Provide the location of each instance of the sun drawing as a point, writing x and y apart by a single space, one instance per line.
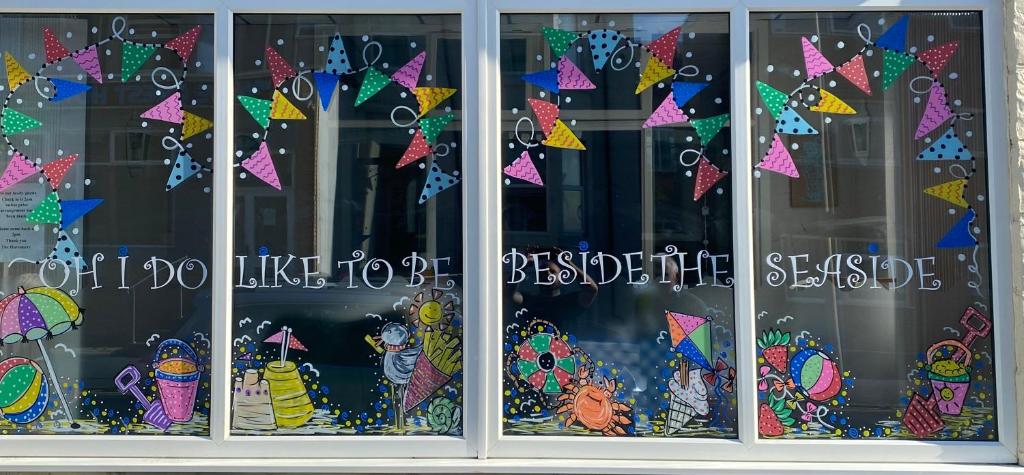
431 313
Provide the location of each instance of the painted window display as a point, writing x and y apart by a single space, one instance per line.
348 225
617 233
105 205
874 301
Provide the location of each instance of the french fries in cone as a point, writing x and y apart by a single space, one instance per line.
440 359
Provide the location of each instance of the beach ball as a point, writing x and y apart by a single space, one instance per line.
23 390
815 374
546 362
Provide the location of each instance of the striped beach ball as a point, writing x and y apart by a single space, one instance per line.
23 390
815 374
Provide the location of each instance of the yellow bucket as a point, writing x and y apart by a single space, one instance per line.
292 407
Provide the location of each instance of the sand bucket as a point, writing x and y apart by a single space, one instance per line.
291 403
951 377
177 378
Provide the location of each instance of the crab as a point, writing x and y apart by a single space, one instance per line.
590 402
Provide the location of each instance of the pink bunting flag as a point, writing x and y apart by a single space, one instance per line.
55 51
262 167
280 70
546 112
853 70
17 170
707 175
664 48
570 76
89 60
813 59
666 113
168 110
779 160
523 169
936 112
936 58
55 170
184 43
409 75
417 149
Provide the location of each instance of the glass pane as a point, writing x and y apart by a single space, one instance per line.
871 226
618 307
105 205
347 304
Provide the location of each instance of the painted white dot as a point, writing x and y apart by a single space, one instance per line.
254 90
689 173
152 34
171 130
209 136
508 182
385 65
60 67
689 138
810 97
719 190
761 139
88 181
280 42
321 49
840 45
366 38
430 77
238 153
957 103
831 84
579 49
977 230
95 30
692 35
951 211
158 57
937 170
917 100
793 103
795 146
206 189
541 94
107 52
412 44
540 57
814 38
708 77
167 161
423 166
158 92
931 38
927 140
961 257
757 173
725 151
881 21
637 64
540 155
953 75
876 74
258 62
284 90
981 197
145 124
770 68
280 151
758 110
131 31
39 104
447 108
693 111
661 85
27 142
913 49
718 100
618 60
611 23
344 87
552 64
969 133
204 87
195 102
869 53
60 152
828 120
568 99
572 122
19 100
163 76
284 125
35 228
796 72
689 54
242 175
511 145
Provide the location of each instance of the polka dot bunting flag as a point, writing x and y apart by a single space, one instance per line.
55 51
47 211
947 147
16 75
814 61
558 40
831 104
417 149
373 82
133 56
666 113
168 110
602 45
854 71
18 168
935 113
337 58
664 48
67 252
409 74
708 127
282 108
433 126
778 159
893 65
791 123
654 72
184 168
55 170
437 181
562 137
935 59
258 108
184 43
546 113
773 98
194 125
89 61
431 97
951 191
262 166
570 77
524 169
707 175
280 70
15 122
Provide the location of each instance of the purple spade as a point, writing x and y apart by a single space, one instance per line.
127 381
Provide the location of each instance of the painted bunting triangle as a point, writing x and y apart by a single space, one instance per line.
325 85
666 113
935 59
814 61
89 60
546 113
55 170
562 137
524 169
437 181
602 45
895 38
66 251
168 110
409 74
893 65
654 72
16 75
47 211
790 122
831 104
773 98
64 89
431 97
854 71
72 210
570 77
778 159
707 175
960 234
194 125
15 122
684 91
547 79
282 108
417 149
184 168
280 70
936 112
55 50
184 43
947 147
373 82
133 56
558 40
337 58
18 168
708 127
262 166
664 48
951 191
433 126
258 108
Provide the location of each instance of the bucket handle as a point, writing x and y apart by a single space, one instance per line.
963 349
165 345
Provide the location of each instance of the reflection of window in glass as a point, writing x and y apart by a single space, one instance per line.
871 227
105 205
349 218
617 226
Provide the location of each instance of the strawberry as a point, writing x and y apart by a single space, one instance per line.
773 348
768 423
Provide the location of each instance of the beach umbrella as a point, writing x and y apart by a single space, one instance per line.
691 336
37 313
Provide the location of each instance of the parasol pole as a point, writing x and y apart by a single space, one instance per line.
56 383
285 337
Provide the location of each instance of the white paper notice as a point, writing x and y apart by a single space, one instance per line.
18 238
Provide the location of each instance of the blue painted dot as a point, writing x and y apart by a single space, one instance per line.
264 251
873 248
122 251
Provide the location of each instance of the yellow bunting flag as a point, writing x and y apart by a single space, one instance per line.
16 74
951 191
562 137
430 97
654 72
194 125
283 109
831 104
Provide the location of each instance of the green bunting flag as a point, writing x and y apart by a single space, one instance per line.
15 122
558 40
893 65
373 82
773 98
46 212
132 57
432 126
708 127
258 108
